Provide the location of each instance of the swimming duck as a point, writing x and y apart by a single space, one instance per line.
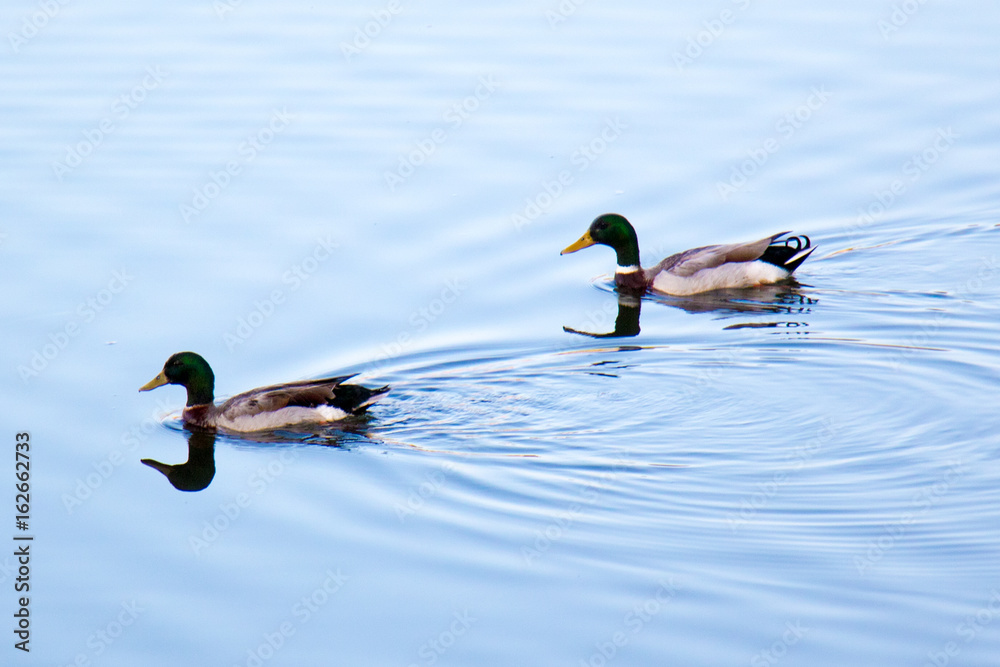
712 267
306 402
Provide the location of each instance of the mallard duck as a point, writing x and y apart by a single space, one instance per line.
712 267
306 402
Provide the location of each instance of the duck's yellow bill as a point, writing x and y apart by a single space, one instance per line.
158 381
585 242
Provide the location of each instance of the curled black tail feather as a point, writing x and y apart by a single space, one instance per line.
355 399
788 253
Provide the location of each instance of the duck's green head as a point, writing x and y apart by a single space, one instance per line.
612 230
192 372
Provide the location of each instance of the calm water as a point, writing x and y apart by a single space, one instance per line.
804 475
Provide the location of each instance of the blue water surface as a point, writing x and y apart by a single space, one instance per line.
803 475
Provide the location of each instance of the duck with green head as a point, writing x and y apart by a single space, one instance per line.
732 266
307 402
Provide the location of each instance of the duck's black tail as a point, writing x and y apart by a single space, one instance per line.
355 399
788 253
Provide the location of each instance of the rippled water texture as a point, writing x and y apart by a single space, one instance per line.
797 475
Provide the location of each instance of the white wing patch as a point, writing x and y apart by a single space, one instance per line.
289 416
732 275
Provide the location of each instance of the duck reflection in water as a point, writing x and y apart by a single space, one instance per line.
778 299
626 323
198 471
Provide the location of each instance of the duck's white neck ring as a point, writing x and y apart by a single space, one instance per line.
627 269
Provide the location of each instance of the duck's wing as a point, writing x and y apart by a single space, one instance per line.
689 262
306 394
